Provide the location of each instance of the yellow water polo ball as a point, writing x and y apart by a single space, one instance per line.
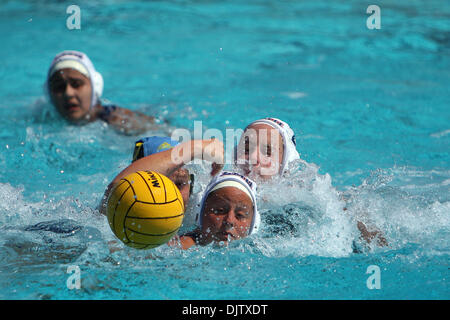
145 209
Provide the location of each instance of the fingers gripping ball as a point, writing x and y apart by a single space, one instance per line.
145 209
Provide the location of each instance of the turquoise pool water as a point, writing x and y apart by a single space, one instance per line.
370 109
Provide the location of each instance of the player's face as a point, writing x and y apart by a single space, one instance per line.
227 215
182 180
71 92
260 151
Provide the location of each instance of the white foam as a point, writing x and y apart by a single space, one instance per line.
325 228
295 94
440 134
404 215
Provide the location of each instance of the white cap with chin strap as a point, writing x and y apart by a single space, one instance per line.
232 179
287 134
78 61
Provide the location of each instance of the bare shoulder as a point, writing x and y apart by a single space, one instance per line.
184 242
125 120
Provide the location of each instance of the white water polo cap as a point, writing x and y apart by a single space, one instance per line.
287 134
236 180
78 61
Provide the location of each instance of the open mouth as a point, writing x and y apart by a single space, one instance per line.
225 236
72 106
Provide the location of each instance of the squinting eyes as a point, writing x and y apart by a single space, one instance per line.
265 150
242 215
76 84
239 213
217 211
60 85
180 184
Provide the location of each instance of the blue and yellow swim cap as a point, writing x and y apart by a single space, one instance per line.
151 145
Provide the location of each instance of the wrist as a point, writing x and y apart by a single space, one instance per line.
186 152
197 149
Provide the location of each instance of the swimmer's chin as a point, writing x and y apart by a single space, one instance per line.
76 120
256 176
258 173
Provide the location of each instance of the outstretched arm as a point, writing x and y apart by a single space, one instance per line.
368 236
168 161
128 122
372 235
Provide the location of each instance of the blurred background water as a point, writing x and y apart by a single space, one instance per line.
370 109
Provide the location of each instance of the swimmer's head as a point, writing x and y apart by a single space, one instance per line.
74 86
180 177
266 148
184 182
228 209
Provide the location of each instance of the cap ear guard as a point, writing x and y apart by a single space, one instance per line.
151 145
97 85
138 150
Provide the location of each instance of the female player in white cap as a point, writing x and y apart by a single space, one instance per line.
266 148
228 212
74 87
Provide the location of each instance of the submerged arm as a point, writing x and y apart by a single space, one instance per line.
371 235
128 122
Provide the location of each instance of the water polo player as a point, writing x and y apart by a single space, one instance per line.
228 212
180 176
266 148
74 87
157 154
